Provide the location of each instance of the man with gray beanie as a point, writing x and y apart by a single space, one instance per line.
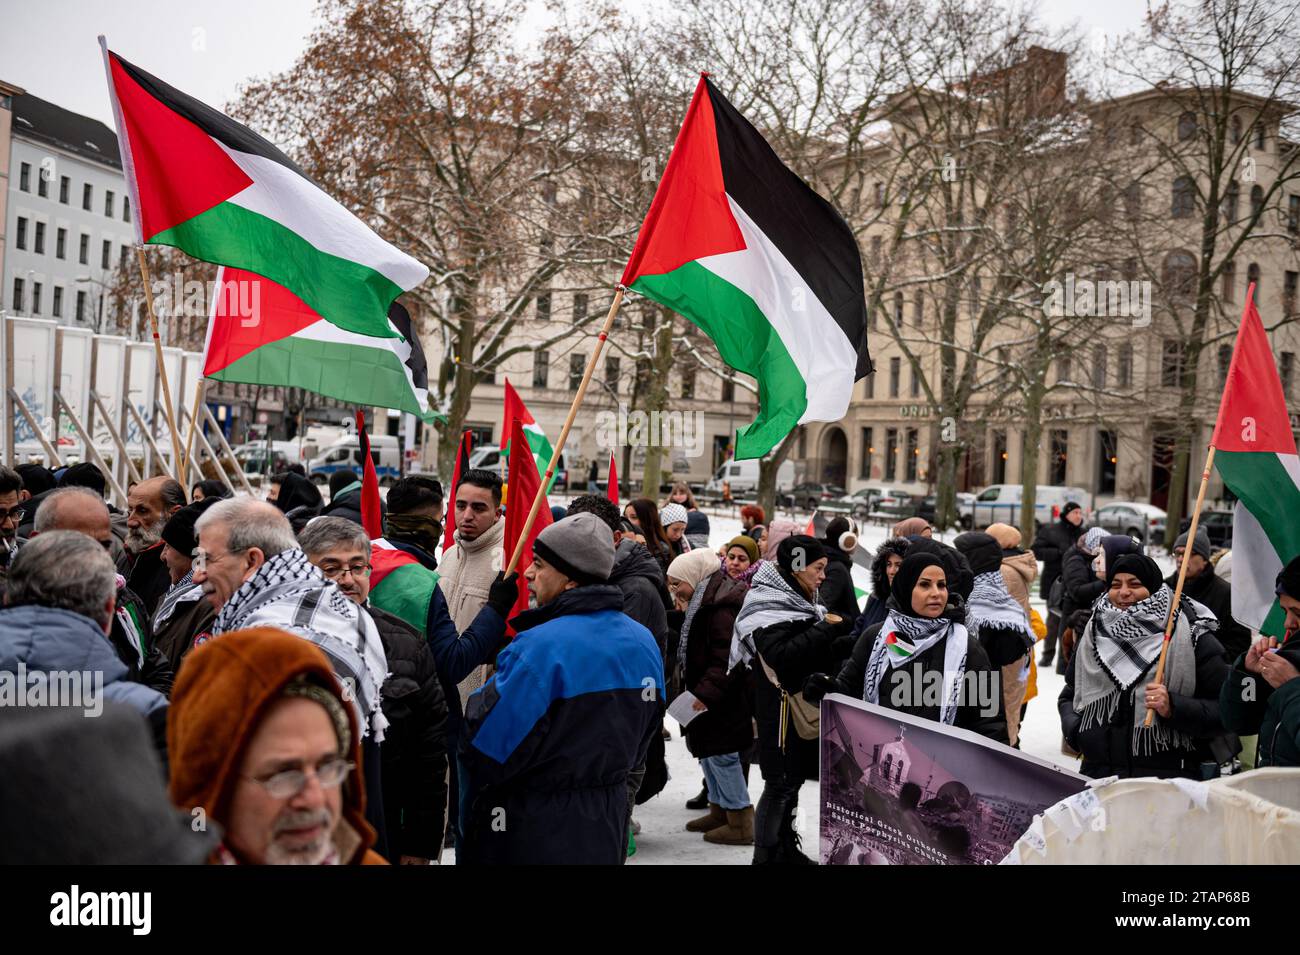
550 739
1204 585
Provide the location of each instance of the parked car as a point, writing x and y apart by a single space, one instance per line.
858 504
1217 524
1146 522
928 508
1001 503
811 495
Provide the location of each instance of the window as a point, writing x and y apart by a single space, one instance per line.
913 453
36 298
916 382
1063 369
1261 136
579 308
1288 292
918 308
1186 126
898 309
880 194
1293 214
58 301
1234 129
1184 201
126 251
1135 134
1252 278
81 306
869 386
895 370
61 244
1108 460
25 177
108 203
42 184
1229 280
891 453
87 195
106 254
1256 201
64 184
20 240
1124 373
577 365
1179 276
1130 269
541 365
126 208
611 372
1099 367
688 382
1225 362
18 295
999 457
549 191
544 307
976 293
1171 363
83 252
875 250
1285 370
868 449
40 238
1060 448
728 389
1231 198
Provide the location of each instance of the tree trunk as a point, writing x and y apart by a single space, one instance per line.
656 395
767 471
1029 460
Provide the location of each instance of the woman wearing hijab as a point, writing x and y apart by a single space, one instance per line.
1109 684
785 634
922 634
889 557
673 518
723 730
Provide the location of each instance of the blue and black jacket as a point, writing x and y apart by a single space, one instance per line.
548 741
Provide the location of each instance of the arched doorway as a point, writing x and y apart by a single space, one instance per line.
834 456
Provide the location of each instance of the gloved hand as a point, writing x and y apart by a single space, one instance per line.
817 686
503 592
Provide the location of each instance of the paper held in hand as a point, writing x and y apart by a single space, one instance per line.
683 708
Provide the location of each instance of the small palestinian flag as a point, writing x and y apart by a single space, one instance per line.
461 466
897 647
400 584
1255 452
515 409
741 246
218 191
260 333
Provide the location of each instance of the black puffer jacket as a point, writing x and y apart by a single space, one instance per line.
1216 593
726 726
413 755
348 505
1108 749
1051 544
837 589
640 578
299 499
876 607
1080 585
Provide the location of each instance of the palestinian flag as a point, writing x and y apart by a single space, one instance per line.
260 333
461 466
400 584
742 247
515 409
215 189
611 484
898 648
371 515
1255 453
524 484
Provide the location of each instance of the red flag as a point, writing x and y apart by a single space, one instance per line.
811 529
524 483
371 519
1253 391
462 464
515 410
611 489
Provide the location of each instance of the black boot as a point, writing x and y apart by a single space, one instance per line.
790 850
701 801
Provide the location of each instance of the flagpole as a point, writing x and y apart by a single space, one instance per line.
564 432
200 387
1182 575
162 367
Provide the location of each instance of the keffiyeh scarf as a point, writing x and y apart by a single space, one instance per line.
991 606
184 591
903 638
770 601
289 593
1116 656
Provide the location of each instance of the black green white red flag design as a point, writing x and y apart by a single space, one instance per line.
745 249
218 191
1255 452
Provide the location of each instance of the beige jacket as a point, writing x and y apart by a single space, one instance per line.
465 572
1019 572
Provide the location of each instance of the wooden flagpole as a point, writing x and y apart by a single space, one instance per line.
200 388
1182 575
162 368
564 432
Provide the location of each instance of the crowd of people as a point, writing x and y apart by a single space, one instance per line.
316 696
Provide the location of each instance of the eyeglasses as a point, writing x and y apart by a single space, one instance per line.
202 558
358 571
288 783
14 514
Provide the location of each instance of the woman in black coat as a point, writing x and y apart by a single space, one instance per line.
786 636
837 591
1109 684
892 663
889 557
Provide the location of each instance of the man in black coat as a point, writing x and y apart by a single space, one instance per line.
1051 544
345 497
1203 584
149 505
413 754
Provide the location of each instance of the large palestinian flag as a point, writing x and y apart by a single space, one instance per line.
215 189
1255 453
745 249
260 333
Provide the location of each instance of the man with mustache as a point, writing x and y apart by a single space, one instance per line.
293 795
149 504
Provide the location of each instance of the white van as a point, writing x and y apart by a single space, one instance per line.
1001 503
346 453
742 476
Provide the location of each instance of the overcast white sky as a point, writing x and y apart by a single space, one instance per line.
208 49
